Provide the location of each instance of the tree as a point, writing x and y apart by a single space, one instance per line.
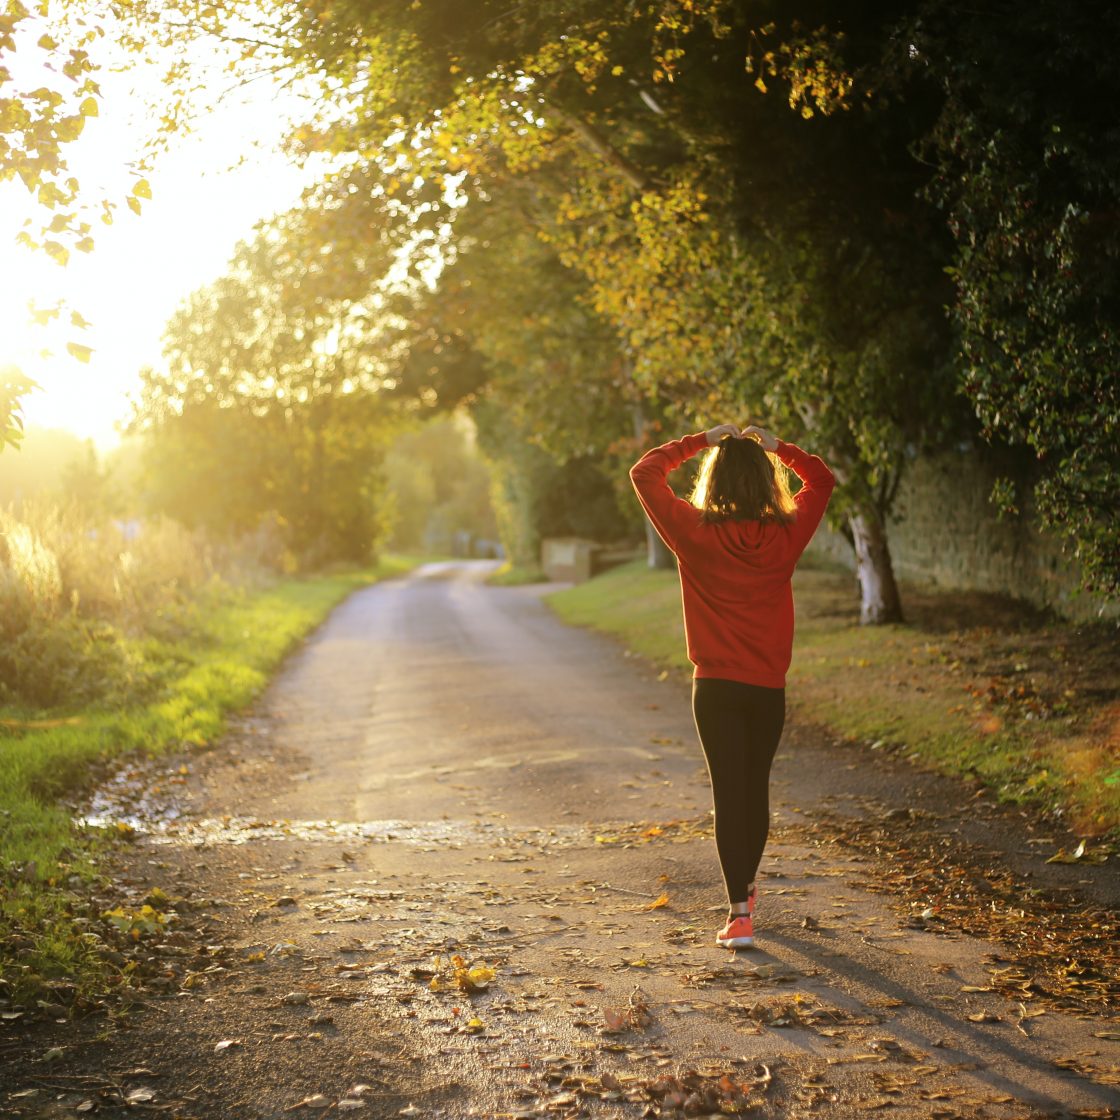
487 317
737 188
270 405
1027 171
747 257
554 400
438 486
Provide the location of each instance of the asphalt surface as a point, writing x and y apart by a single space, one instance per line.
444 768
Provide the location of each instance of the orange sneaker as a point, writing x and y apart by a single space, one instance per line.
739 931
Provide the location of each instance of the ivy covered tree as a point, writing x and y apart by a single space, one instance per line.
1028 174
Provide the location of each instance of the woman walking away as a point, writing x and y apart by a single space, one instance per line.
737 543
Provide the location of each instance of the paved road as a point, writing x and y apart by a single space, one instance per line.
444 768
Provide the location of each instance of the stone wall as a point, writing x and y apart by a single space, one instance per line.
945 532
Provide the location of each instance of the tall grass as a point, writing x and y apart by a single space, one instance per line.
116 639
79 592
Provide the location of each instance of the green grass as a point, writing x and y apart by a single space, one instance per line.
973 685
216 667
510 576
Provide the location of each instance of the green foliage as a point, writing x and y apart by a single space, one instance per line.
535 495
215 662
735 258
48 90
81 599
736 225
14 386
1028 174
67 662
36 125
269 408
437 487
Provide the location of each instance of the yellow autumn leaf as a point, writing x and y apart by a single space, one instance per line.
142 188
77 350
480 976
660 901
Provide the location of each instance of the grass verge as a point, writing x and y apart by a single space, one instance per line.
510 576
213 665
974 685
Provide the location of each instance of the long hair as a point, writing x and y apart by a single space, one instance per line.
739 481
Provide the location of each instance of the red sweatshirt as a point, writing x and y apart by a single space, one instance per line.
735 575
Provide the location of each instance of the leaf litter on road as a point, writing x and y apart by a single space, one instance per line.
1053 947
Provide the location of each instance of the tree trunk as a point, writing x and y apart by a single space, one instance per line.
879 601
658 555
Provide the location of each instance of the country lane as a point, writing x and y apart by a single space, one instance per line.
457 862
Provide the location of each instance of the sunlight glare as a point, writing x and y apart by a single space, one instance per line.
207 194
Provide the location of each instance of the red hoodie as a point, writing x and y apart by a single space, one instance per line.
735 575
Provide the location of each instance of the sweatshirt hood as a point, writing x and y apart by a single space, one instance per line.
756 543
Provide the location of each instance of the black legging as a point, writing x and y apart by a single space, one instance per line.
739 727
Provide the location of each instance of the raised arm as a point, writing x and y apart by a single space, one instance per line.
817 483
671 516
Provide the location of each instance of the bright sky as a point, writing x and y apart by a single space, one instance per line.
142 267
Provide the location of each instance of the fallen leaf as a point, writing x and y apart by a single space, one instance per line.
317 1100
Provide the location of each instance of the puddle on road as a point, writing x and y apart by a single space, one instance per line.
246 830
146 801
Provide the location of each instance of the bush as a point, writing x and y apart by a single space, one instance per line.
64 662
80 596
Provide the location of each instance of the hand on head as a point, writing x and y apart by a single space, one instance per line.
768 441
752 431
722 431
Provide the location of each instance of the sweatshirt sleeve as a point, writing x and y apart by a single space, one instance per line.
672 517
812 499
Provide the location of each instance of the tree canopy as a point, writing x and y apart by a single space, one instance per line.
580 217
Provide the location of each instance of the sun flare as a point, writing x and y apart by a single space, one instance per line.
207 194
